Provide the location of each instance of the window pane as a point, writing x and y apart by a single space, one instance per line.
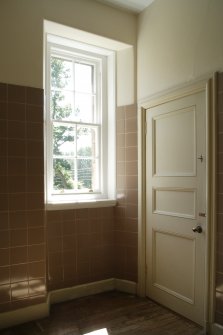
64 138
84 106
87 142
83 178
62 105
61 73
88 174
64 174
83 78
85 174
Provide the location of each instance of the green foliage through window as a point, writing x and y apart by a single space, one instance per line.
73 159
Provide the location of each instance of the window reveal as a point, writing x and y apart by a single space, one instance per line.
80 124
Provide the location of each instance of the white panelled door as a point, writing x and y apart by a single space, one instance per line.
176 204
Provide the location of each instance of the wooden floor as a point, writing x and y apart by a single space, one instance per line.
119 313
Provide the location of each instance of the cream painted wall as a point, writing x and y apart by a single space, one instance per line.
21 32
178 41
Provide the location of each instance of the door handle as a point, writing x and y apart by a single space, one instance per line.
197 229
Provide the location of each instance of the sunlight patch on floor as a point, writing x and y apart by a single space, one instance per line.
98 332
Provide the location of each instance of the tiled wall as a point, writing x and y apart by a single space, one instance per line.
58 248
80 246
22 230
95 244
219 274
126 224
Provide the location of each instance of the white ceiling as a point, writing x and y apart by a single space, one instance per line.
135 6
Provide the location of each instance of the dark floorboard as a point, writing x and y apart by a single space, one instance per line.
119 313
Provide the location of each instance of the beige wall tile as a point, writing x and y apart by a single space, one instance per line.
36 270
131 125
18 237
5 293
36 253
16 93
16 129
17 219
4 275
16 111
3 92
4 257
3 110
18 255
19 273
4 220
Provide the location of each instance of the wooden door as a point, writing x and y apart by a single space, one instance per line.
176 205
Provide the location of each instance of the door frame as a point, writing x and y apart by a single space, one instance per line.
208 86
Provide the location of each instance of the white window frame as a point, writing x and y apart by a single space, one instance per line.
105 63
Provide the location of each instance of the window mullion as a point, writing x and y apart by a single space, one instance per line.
75 160
74 88
84 124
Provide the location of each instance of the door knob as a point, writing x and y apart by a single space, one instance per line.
197 229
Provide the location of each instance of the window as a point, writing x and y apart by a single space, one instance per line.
78 163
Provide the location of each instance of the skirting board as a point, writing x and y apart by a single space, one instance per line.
125 286
39 311
84 290
79 291
22 315
216 329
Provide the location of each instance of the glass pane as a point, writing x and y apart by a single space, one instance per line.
87 142
84 107
64 137
61 73
85 174
62 105
88 174
83 78
64 174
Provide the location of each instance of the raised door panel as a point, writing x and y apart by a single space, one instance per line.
173 272
175 155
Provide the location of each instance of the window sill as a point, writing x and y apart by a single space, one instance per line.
80 204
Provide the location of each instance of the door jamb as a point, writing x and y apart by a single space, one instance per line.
209 87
